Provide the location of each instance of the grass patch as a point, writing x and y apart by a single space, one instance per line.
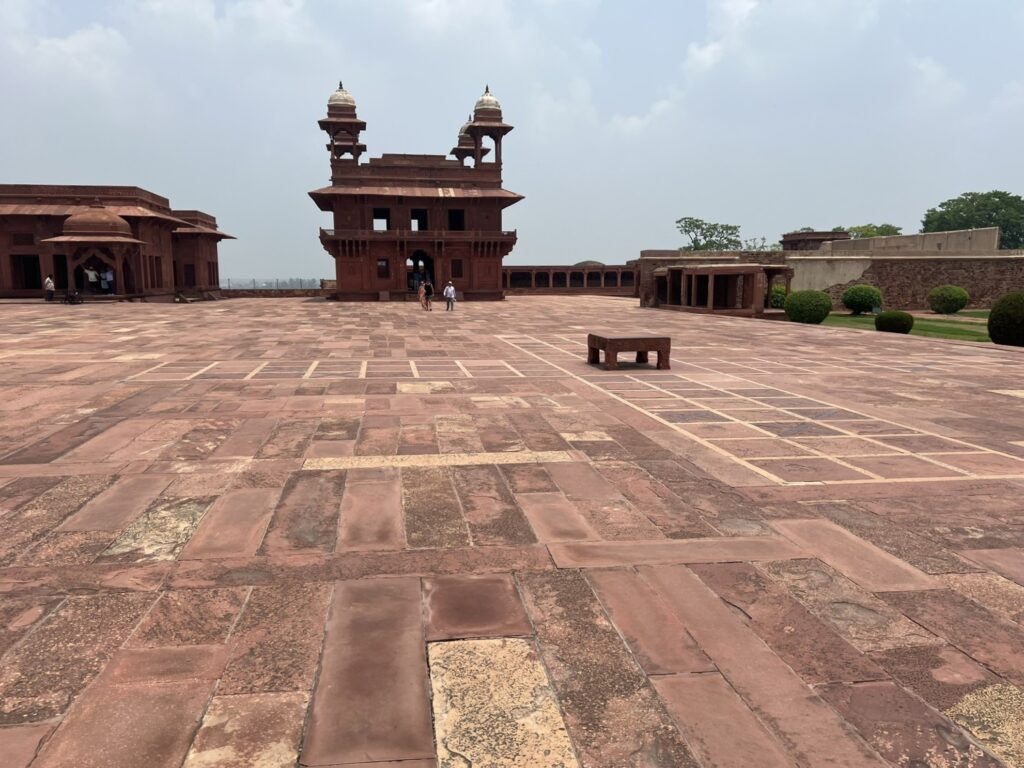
936 329
973 312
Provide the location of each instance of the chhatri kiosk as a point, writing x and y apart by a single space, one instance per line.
401 219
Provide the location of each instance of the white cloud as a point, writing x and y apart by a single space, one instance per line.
933 85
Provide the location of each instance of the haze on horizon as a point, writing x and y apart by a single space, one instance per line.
770 114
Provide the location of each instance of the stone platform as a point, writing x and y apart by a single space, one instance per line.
255 533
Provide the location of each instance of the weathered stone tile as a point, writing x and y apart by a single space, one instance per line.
247 439
554 518
941 675
171 664
19 743
920 551
986 637
39 679
371 511
858 616
489 507
371 700
814 735
498 435
615 519
658 640
377 439
234 526
19 615
433 517
160 532
58 443
528 478
111 726
610 709
66 548
999 595
673 517
289 440
417 439
276 641
581 481
306 516
21 490
901 728
865 564
338 428
493 706
190 617
457 434
995 717
118 505
260 730
718 726
1006 562
600 554
808 645
473 606
34 520
200 442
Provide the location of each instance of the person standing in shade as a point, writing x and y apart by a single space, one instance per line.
428 294
108 278
449 297
91 278
48 287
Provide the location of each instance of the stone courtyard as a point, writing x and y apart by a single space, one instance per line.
281 531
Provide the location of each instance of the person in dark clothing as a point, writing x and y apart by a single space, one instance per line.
428 294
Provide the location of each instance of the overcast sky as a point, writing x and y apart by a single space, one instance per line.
770 114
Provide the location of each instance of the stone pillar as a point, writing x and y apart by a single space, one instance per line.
711 290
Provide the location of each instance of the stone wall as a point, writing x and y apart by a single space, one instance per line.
272 293
906 279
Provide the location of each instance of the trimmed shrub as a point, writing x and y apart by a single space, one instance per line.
1006 320
808 306
894 322
777 298
862 298
948 299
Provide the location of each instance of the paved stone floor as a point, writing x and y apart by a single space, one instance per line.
257 532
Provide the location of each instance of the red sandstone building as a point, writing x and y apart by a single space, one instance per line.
154 252
399 219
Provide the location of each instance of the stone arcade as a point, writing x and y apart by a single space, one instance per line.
400 219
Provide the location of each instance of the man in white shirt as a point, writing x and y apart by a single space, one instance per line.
91 277
449 296
48 287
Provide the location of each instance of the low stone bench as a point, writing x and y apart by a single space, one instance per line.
641 344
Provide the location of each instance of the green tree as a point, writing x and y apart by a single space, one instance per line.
973 210
870 230
709 236
760 244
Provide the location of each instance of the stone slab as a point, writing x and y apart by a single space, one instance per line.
371 700
718 726
814 735
609 554
864 563
260 730
234 526
473 606
493 705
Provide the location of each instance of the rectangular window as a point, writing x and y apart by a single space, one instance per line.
418 220
383 269
159 272
381 219
25 272
456 220
456 269
211 274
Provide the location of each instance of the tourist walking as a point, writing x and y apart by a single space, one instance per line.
91 278
428 293
108 279
421 294
449 297
48 287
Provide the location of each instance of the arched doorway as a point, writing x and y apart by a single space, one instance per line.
419 267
